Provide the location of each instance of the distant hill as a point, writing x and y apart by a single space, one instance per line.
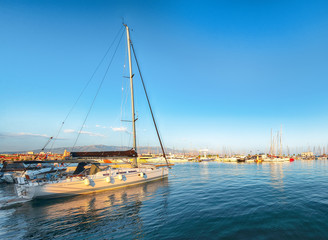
99 148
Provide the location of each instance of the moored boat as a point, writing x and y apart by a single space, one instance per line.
83 181
89 176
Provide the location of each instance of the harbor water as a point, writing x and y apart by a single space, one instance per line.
198 201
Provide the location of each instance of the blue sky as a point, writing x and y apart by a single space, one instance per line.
219 73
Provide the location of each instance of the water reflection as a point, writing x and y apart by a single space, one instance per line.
99 213
277 176
205 169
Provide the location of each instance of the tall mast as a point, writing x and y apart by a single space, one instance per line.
271 142
280 140
131 87
277 144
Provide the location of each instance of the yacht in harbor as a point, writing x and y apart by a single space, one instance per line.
90 176
204 158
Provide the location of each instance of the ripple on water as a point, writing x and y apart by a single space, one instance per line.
198 201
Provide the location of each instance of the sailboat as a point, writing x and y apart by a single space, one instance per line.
89 176
276 145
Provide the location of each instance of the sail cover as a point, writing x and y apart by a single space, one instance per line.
128 153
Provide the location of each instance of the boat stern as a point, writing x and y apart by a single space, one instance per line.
24 189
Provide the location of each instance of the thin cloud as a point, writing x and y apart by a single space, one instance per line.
69 130
119 129
99 126
22 134
93 134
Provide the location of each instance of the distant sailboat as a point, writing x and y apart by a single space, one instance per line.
276 150
204 158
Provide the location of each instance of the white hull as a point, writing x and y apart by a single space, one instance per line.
229 159
276 160
97 182
177 160
249 160
205 159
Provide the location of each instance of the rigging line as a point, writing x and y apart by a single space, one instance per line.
151 111
123 77
94 99
126 86
87 84
125 95
123 89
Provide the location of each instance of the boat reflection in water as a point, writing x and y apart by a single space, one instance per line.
97 215
277 176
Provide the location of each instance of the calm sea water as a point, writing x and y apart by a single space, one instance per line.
197 201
